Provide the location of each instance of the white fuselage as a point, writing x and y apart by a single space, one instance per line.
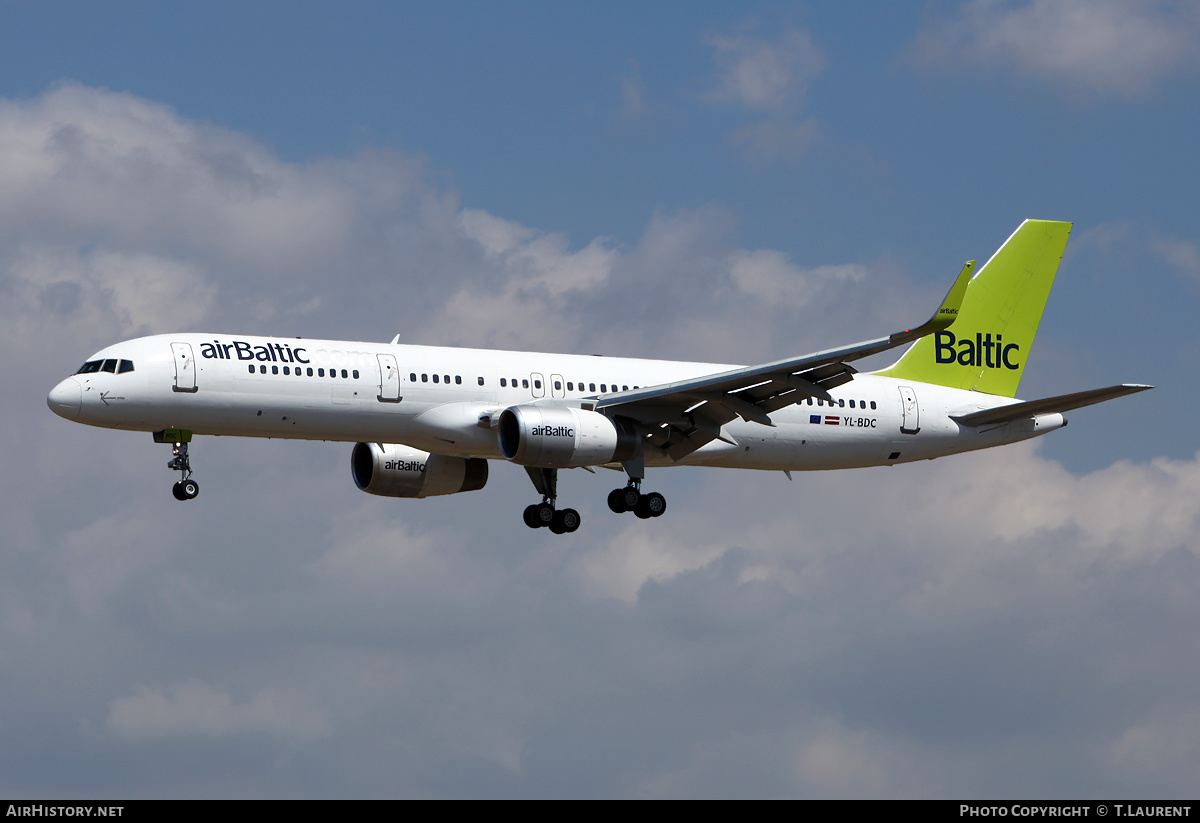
440 400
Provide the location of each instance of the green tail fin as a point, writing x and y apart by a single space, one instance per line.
986 347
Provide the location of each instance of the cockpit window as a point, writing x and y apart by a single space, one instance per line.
112 366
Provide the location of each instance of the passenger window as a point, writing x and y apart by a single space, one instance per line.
458 379
274 370
252 370
503 382
355 373
286 370
109 366
320 372
603 387
841 402
570 386
424 378
126 365
557 385
872 404
89 367
344 374
524 384
537 384
591 386
851 404
624 388
262 369
412 377
481 381
435 379
309 370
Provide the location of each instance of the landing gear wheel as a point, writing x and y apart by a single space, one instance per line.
631 497
189 489
616 501
177 491
545 514
565 521
531 517
651 505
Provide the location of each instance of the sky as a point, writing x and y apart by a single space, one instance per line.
732 183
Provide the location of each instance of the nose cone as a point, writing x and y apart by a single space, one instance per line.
65 398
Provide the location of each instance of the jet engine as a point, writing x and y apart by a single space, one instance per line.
401 471
563 437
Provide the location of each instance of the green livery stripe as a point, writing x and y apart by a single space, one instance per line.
986 347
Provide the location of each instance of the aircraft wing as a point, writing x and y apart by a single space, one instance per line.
685 415
1049 405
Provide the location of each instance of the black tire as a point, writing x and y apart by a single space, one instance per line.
531 518
556 527
545 514
655 503
643 509
567 520
616 501
177 491
189 488
631 497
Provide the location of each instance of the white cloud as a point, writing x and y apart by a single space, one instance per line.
769 276
633 92
769 77
1182 255
763 74
195 709
1095 46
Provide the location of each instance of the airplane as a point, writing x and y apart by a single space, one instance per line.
426 420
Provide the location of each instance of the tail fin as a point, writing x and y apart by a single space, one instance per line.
986 347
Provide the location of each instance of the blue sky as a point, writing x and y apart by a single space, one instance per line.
692 181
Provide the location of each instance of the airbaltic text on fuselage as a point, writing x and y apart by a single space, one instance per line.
281 353
982 351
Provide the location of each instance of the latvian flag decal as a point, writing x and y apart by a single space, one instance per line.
830 419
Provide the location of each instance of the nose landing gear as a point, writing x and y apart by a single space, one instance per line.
186 488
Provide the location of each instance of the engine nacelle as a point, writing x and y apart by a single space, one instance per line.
401 471
563 437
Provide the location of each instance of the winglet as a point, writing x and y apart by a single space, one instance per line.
946 314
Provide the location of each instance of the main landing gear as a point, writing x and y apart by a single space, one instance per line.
631 499
559 521
186 488
565 521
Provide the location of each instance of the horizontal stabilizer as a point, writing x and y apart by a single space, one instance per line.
1049 405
